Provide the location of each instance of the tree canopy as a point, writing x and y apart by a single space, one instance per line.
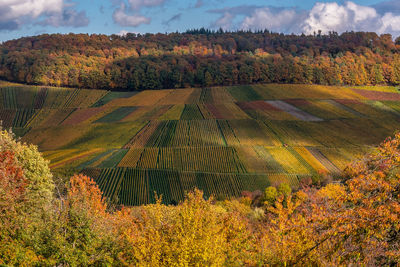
201 58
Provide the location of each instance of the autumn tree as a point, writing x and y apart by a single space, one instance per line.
13 205
36 169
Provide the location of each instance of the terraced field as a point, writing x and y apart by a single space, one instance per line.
221 140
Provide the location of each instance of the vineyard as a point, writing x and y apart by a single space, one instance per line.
222 140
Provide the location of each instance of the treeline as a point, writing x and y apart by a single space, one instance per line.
53 222
201 58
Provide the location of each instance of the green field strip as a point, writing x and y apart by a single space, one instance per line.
292 110
244 93
249 182
229 136
110 182
339 110
12 98
174 113
111 96
392 104
222 134
177 159
105 173
25 96
236 185
348 109
134 188
159 183
293 133
93 160
155 112
107 136
155 187
382 107
71 97
167 135
22 117
114 191
239 164
7 117
175 187
113 160
61 155
33 117
116 115
323 110
128 195
206 96
354 132
148 158
209 184
221 184
191 112
131 158
92 173
9 98
163 134
40 98
250 132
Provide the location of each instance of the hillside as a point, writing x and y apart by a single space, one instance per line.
223 140
200 58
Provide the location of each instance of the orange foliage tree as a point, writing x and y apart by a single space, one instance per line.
353 222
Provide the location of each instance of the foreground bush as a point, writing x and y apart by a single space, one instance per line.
353 222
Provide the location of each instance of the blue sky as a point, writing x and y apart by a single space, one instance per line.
32 17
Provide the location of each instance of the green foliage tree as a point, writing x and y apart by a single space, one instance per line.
36 169
270 195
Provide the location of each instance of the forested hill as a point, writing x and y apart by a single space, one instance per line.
200 58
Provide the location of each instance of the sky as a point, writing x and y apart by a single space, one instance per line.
20 18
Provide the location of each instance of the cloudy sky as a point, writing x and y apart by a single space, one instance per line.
31 17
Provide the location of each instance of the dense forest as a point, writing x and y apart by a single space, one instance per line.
201 58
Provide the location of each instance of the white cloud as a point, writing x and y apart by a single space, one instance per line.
33 8
333 17
123 17
285 20
326 17
126 20
390 23
225 21
14 13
